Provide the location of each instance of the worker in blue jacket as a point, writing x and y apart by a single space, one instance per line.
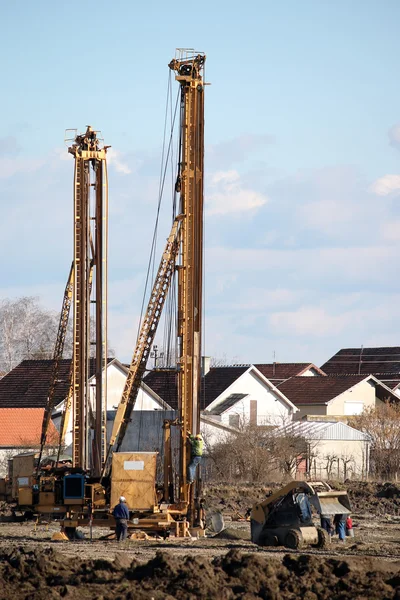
121 516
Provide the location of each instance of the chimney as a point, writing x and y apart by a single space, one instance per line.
205 365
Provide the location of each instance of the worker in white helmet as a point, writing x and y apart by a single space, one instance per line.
121 516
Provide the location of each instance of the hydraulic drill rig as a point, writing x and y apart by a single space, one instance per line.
184 252
74 492
90 252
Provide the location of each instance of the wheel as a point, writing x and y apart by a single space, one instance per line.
293 539
323 538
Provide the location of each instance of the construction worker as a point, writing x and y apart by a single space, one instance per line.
121 516
196 452
326 523
340 526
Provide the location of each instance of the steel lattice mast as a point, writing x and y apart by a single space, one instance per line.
90 330
188 67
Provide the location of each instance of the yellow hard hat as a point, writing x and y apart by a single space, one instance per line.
199 436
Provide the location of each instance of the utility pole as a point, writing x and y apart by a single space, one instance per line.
155 354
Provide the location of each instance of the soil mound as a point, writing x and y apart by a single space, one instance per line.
47 575
233 534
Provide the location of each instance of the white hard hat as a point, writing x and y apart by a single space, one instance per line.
122 499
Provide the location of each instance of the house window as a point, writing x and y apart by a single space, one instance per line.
253 412
353 408
234 421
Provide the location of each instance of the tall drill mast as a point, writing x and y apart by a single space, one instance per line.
90 327
188 67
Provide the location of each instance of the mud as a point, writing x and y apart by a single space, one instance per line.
370 498
226 566
45 574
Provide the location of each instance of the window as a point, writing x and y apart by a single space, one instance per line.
353 408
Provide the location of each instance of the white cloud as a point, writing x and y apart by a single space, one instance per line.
227 195
386 185
114 159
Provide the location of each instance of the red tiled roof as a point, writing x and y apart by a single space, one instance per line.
317 390
281 371
22 427
27 386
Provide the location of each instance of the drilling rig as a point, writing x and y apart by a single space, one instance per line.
84 492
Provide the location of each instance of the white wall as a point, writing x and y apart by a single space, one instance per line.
310 373
116 378
271 409
356 454
354 400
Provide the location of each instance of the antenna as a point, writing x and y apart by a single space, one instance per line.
360 361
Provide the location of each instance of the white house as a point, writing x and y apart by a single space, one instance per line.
334 449
338 396
117 373
249 398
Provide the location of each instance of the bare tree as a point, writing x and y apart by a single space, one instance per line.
382 424
26 331
255 453
347 460
330 460
29 331
223 361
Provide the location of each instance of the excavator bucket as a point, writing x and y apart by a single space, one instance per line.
331 503
59 536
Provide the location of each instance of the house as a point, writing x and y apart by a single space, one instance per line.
278 372
332 396
27 387
335 450
230 395
383 362
20 430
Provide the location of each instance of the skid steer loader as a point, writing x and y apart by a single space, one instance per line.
285 517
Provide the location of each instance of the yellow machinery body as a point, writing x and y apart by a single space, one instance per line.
285 517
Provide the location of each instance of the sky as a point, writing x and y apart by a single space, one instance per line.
302 155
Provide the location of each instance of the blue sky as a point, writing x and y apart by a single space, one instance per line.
302 159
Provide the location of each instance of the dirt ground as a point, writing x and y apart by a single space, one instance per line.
33 566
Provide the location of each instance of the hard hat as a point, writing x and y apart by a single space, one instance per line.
199 436
122 499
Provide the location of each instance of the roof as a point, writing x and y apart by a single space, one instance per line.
281 371
321 390
322 430
217 380
165 384
27 385
383 362
23 426
227 403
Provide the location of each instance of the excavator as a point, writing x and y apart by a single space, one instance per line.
81 491
285 518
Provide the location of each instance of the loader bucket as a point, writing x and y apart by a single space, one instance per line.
331 503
